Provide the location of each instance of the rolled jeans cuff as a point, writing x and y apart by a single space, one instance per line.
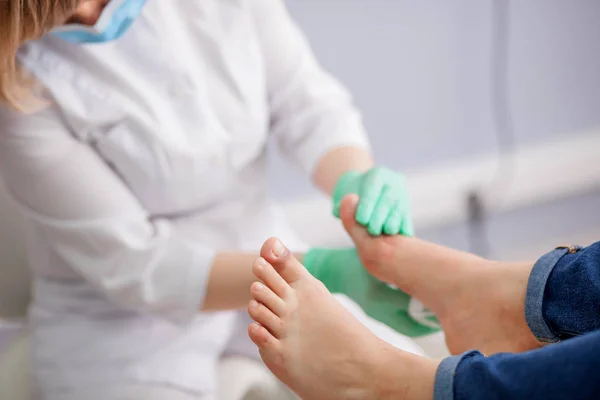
444 376
534 300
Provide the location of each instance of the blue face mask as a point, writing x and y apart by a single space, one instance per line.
116 18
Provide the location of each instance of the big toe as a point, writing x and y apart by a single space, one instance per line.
282 259
348 216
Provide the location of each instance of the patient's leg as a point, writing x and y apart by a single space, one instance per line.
479 303
319 349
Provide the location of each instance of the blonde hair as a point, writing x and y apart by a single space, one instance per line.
20 21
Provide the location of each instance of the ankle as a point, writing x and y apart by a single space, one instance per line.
508 280
511 280
402 375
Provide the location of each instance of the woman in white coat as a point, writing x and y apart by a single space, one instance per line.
133 137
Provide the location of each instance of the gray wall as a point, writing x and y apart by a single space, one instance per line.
420 71
528 232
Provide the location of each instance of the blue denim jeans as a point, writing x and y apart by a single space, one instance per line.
562 308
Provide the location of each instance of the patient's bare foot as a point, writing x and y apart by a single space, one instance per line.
316 347
480 304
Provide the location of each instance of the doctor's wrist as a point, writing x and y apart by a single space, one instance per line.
338 162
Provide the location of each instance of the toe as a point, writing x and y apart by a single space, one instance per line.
283 260
266 296
262 337
269 347
266 318
266 273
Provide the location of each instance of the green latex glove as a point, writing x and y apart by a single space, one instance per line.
384 204
341 271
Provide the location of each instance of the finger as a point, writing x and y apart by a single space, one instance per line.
381 211
336 209
408 228
393 222
370 190
347 214
348 184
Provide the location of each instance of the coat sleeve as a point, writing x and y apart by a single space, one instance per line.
93 224
311 112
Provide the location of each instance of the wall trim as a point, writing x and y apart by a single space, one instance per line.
560 167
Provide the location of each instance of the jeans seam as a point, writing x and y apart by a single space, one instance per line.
445 374
536 287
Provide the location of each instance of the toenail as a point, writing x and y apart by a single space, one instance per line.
258 286
261 262
254 328
278 248
253 304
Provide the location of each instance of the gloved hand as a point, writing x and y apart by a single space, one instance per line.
341 271
384 205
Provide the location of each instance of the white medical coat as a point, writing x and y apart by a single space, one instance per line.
151 159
